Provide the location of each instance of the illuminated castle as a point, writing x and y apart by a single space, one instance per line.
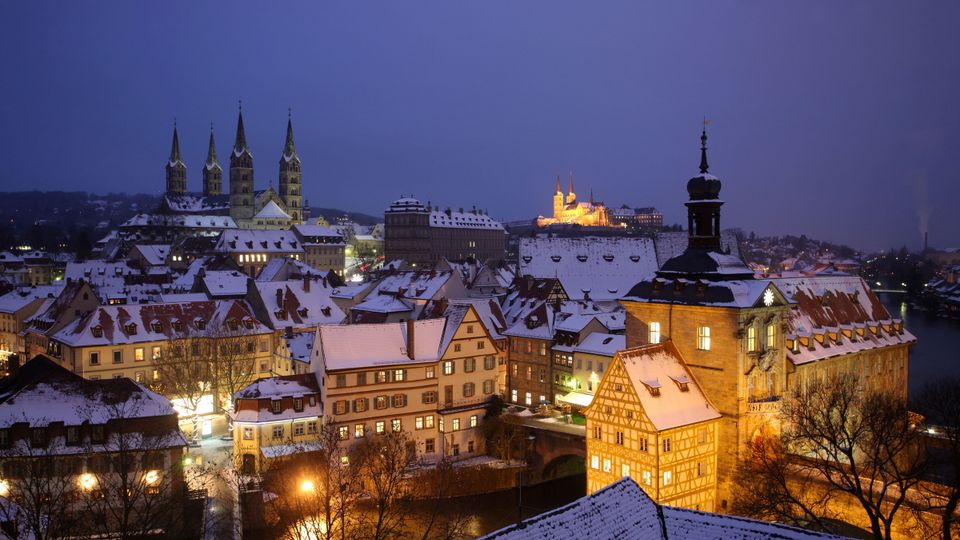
567 209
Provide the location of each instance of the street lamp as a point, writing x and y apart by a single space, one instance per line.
4 488
151 477
307 486
87 481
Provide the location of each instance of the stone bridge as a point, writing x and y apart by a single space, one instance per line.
554 449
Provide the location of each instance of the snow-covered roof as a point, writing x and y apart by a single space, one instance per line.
18 298
279 387
290 303
463 220
256 241
602 344
370 345
271 211
111 325
100 273
310 230
300 346
599 267
197 203
673 243
622 511
741 293
154 254
225 283
843 312
660 366
190 221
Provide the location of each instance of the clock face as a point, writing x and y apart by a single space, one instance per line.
768 297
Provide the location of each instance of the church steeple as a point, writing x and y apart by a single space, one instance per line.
703 208
212 171
241 176
290 177
176 169
571 196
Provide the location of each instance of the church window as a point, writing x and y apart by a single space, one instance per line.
703 338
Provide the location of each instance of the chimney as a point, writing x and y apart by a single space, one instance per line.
410 344
279 298
306 283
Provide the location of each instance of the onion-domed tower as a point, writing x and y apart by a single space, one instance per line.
703 208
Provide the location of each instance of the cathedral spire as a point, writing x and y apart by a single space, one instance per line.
558 190
175 148
241 142
289 150
212 149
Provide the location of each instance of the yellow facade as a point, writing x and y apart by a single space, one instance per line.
676 466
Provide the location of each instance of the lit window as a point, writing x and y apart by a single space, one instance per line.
138 354
647 478
428 421
667 477
418 422
248 433
431 373
513 395
395 424
624 470
654 332
595 462
358 431
156 352
380 426
456 424
528 399
473 421
343 432
703 338
751 339
607 465
771 336
448 367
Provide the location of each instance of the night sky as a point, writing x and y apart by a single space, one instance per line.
839 120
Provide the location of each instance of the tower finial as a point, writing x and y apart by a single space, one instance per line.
289 112
703 148
240 105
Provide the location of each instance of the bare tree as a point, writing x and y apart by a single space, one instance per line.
134 484
384 461
939 403
184 374
36 491
850 441
232 364
436 485
505 439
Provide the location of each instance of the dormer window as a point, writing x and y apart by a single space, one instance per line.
275 406
325 310
157 326
97 331
247 323
682 382
177 326
232 324
200 324
131 329
652 386
281 314
302 312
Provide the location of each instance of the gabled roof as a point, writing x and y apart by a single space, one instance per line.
371 345
623 511
271 211
298 307
668 393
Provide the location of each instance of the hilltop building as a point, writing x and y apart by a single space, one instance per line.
248 207
568 210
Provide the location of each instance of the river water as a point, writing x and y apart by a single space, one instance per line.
936 353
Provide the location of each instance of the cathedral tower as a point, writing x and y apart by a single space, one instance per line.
558 200
176 169
212 171
571 196
289 183
241 176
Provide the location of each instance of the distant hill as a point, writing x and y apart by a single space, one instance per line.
58 220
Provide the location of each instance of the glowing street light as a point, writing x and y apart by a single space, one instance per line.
307 486
151 477
4 488
87 481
